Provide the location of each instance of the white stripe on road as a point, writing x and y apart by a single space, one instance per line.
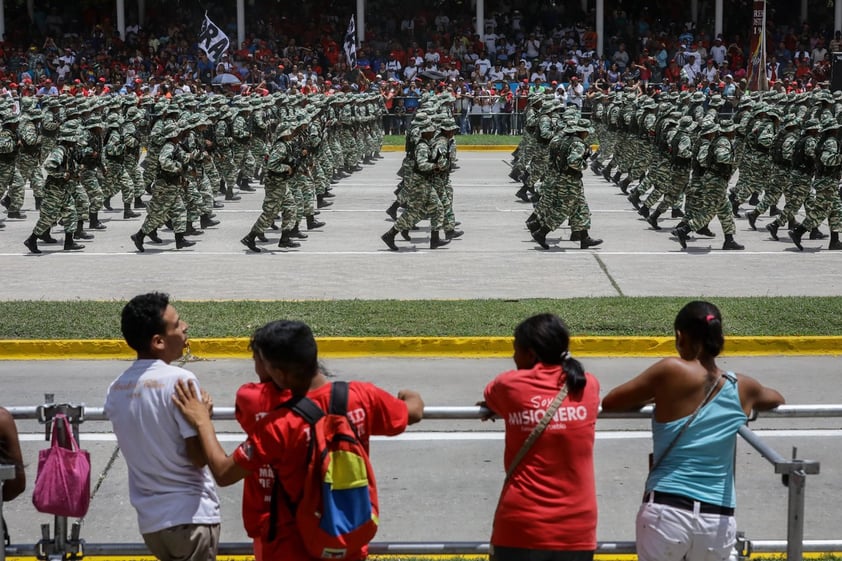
419 436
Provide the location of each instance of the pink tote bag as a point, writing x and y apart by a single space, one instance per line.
63 482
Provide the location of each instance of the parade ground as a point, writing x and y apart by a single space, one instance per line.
440 481
496 258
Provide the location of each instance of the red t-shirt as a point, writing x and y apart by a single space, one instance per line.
550 502
254 401
280 439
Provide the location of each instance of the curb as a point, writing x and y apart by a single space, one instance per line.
421 347
463 148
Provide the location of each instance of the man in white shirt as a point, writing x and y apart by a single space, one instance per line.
496 74
690 71
718 51
169 487
483 65
409 72
575 92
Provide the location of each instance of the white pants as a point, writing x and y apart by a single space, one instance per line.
666 533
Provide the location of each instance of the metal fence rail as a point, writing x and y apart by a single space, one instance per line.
793 471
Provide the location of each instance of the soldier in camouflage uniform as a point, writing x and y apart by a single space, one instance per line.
11 182
797 190
759 138
132 136
241 131
569 157
225 152
60 167
827 204
716 161
166 202
88 187
680 141
117 179
50 123
779 175
421 198
442 144
526 149
283 159
29 157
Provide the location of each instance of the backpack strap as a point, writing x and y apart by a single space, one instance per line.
339 398
307 409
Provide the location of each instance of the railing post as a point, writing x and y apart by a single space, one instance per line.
796 482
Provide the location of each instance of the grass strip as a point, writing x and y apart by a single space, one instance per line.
762 316
462 140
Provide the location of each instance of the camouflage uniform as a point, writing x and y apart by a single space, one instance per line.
11 183
116 176
801 178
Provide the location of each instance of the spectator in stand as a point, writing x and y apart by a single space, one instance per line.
522 71
783 54
718 51
689 71
483 65
462 107
495 75
613 74
621 57
836 42
575 92
538 76
729 91
533 48
710 73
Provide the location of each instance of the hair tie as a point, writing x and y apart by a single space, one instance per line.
565 355
709 318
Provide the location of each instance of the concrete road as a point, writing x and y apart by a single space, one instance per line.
495 259
440 481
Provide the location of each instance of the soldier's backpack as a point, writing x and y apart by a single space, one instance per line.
337 514
800 161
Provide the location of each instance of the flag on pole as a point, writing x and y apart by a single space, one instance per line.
351 44
212 40
757 57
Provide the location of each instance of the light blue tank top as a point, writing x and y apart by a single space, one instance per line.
701 464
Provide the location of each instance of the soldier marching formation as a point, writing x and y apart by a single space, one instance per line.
680 148
425 190
78 153
549 162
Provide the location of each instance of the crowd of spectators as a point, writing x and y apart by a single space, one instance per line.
404 55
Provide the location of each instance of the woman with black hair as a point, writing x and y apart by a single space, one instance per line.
688 504
547 508
10 454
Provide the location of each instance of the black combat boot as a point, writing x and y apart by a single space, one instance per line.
205 221
106 204
624 184
772 227
754 199
576 236
328 194
735 204
681 232
47 238
321 202
634 199
6 201
94 220
522 194
389 238
244 186
129 213
138 240
192 231
287 241
248 241
296 233
816 234
752 219
616 177
181 242
585 241
262 238
834 241
16 214
436 241
31 244
80 233
540 237
706 231
70 244
154 237
795 235
405 236
229 194
606 172
312 223
731 244
643 211
392 211
138 203
514 174
676 213
774 211
652 219
453 234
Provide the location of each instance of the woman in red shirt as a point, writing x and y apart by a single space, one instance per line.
547 509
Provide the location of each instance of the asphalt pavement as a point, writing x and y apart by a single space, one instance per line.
496 258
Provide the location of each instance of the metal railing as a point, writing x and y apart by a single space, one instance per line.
794 474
